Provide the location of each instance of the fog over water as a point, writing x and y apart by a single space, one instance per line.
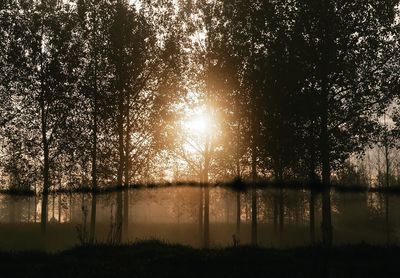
199 217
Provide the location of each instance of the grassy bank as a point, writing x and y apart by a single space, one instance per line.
155 259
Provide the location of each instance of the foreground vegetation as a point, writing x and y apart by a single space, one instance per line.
156 259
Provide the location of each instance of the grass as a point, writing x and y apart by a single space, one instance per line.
157 259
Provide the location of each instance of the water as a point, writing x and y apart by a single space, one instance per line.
198 217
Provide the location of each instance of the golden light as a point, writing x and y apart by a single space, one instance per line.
198 128
199 124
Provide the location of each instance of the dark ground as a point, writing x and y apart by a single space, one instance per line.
155 259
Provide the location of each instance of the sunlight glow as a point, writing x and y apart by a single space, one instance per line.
199 124
198 129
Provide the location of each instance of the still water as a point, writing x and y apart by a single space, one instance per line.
198 217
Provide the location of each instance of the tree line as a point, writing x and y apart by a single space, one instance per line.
92 91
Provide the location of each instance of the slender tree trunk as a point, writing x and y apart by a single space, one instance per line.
326 196
127 142
254 160
324 72
326 170
94 151
120 125
53 207
46 168
120 142
43 120
254 155
324 68
238 172
95 107
127 165
325 148
46 163
387 164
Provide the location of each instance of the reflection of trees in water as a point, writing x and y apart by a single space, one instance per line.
375 203
312 216
327 236
43 214
93 214
254 216
114 233
16 209
182 203
283 216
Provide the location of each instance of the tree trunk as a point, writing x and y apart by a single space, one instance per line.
238 172
94 152
325 59
387 163
324 72
312 165
254 161
127 142
95 108
120 123
46 168
43 122
326 169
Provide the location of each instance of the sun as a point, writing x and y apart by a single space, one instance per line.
199 124
198 128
